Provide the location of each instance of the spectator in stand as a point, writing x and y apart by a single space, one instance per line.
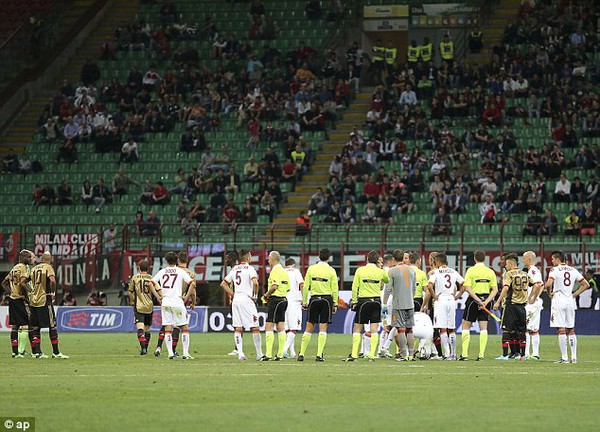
100 195
181 211
233 182
572 226
533 224
248 212
549 224
138 224
25 165
48 196
86 192
151 226
36 195
289 172
231 214
371 190
348 213
588 222
68 300
442 225
109 238
189 225
369 213
160 194
457 203
217 202
180 188
591 189
487 210
68 152
129 151
404 201
65 196
71 130
267 205
384 213
333 214
562 192
251 172
148 190
120 183
577 191
49 131
303 224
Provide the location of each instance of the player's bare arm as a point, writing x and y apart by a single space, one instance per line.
6 284
549 285
254 288
269 292
491 296
226 288
25 284
584 286
535 292
501 298
471 294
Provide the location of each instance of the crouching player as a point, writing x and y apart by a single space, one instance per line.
423 331
141 290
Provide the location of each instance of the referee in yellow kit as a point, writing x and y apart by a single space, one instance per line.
482 286
366 302
322 282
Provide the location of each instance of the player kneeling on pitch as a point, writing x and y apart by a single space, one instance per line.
244 314
141 290
173 311
321 282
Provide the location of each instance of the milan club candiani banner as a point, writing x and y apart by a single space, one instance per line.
66 245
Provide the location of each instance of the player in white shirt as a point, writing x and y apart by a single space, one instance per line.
423 330
173 311
534 306
560 284
442 288
244 279
388 332
293 313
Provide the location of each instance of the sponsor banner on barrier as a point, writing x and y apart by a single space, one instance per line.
66 245
9 244
115 319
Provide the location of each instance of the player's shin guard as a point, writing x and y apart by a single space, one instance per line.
366 343
535 344
410 340
169 342
505 343
34 341
270 337
239 344
466 339
522 344
141 338
321 343
374 345
289 343
161 337
452 342
304 344
176 333
281 336
356 339
53 332
483 339
390 338
14 341
185 341
562 343
437 341
23 338
573 344
257 343
147 335
444 341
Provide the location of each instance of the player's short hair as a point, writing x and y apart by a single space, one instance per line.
441 258
290 261
182 257
24 255
275 255
479 256
231 257
171 258
144 265
398 255
560 255
414 257
324 254
511 256
373 257
387 258
244 253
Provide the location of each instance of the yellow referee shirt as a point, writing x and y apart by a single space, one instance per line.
481 279
421 281
281 278
367 282
320 279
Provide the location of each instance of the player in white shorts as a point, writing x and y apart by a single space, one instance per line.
423 330
442 287
534 306
561 281
387 332
293 313
173 311
244 279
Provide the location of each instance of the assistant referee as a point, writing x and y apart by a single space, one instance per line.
322 282
482 286
366 302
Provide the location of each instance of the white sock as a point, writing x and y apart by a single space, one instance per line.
445 347
527 343
573 344
535 345
185 340
257 344
452 341
366 344
382 339
289 344
239 344
390 338
169 343
562 343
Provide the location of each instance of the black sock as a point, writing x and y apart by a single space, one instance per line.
14 341
32 342
505 344
147 335
176 332
437 342
141 338
161 337
54 340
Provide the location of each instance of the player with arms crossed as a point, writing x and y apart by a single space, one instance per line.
244 314
17 284
402 287
560 284
293 313
366 302
442 288
141 290
42 313
174 313
482 286
321 282
534 306
279 285
514 319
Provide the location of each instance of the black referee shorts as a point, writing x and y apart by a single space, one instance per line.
42 316
418 302
472 312
18 312
320 309
368 310
514 318
276 309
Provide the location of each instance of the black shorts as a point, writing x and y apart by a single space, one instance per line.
18 312
320 309
430 309
514 318
276 309
145 318
42 316
368 310
418 302
473 313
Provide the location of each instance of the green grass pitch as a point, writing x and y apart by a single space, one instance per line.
106 386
